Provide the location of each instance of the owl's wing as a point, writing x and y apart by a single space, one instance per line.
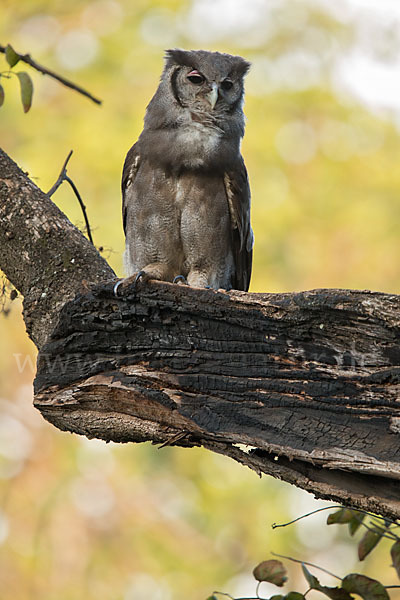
131 166
238 195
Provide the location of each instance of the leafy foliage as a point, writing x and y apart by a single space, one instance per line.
367 588
11 56
311 579
355 583
25 81
26 89
356 522
395 554
370 539
376 530
343 515
272 571
333 593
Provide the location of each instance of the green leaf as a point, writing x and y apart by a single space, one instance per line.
368 542
277 597
294 596
395 554
1 95
343 515
311 579
367 588
272 571
335 593
212 597
11 56
356 521
26 90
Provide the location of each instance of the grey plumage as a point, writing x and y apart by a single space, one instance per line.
186 197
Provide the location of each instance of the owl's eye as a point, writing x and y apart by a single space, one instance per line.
227 84
195 77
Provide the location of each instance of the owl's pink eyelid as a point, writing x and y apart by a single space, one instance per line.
194 72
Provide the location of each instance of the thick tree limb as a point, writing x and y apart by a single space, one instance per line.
46 257
304 387
309 381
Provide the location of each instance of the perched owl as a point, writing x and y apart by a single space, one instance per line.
186 197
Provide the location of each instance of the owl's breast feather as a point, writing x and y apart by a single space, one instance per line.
197 143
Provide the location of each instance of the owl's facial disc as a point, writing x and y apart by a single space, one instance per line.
210 90
197 79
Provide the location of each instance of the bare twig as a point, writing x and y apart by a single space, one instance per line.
64 177
175 438
26 58
390 587
61 176
232 598
303 562
313 512
83 207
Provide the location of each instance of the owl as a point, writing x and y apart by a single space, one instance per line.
186 196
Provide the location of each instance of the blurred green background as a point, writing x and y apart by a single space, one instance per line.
81 519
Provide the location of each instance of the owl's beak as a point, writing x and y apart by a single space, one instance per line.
213 95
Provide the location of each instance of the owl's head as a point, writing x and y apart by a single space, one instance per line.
195 118
206 81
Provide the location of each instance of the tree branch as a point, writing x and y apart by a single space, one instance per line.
45 257
302 386
26 58
309 382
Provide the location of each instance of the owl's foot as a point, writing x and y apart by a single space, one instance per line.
180 279
130 282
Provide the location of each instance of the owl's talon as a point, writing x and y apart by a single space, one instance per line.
116 286
129 282
181 278
138 277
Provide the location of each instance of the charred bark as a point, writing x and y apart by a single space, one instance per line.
302 386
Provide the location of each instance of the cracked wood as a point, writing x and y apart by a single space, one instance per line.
312 378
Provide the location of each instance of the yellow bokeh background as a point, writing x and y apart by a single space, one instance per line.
80 519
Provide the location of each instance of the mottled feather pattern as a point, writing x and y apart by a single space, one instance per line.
130 169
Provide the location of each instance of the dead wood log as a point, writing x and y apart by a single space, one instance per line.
302 386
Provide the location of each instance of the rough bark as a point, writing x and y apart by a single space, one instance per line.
45 257
304 386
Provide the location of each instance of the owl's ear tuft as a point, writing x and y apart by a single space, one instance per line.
241 66
176 56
